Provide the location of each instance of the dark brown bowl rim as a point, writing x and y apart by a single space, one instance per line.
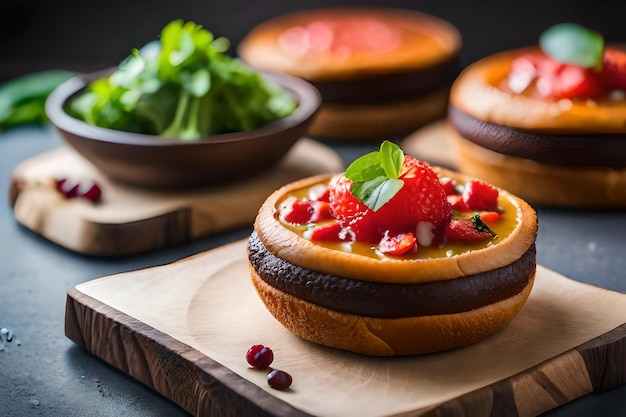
307 95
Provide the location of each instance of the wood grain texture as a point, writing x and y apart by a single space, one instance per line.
195 382
130 220
183 329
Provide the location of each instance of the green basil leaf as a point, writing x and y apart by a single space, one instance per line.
570 43
391 159
376 192
365 168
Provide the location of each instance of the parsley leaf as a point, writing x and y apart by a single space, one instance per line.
375 175
570 43
184 86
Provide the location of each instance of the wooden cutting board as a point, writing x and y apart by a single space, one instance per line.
183 330
129 219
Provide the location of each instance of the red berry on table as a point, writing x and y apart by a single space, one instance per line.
259 356
278 379
479 195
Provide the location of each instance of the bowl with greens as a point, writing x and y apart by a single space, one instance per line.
180 112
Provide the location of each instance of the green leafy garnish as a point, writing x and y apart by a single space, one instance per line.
570 43
480 226
183 86
375 175
23 99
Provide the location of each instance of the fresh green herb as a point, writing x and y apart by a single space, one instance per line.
183 86
570 43
480 226
23 99
375 175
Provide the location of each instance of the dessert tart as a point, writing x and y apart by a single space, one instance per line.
393 257
380 71
547 122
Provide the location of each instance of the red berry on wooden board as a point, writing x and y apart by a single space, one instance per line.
278 379
89 190
70 188
259 356
67 187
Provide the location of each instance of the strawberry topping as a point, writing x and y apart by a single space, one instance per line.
468 230
398 244
572 62
554 80
480 196
421 198
614 68
306 211
395 204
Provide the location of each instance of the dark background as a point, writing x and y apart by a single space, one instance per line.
88 35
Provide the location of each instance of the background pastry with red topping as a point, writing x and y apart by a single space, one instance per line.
380 71
547 122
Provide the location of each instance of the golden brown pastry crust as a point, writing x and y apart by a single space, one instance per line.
479 91
287 245
376 120
387 337
425 42
544 184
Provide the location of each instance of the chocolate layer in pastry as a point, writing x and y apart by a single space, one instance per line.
597 150
389 87
392 300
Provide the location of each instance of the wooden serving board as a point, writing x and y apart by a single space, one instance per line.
183 330
129 219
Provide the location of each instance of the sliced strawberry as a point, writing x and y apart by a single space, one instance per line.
330 232
463 230
449 185
575 82
552 79
614 68
480 196
457 203
398 244
422 198
306 211
319 192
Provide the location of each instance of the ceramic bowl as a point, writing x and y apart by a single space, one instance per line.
155 161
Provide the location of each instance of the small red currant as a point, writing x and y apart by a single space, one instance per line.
278 379
89 190
259 356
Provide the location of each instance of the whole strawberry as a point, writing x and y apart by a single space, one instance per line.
386 193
